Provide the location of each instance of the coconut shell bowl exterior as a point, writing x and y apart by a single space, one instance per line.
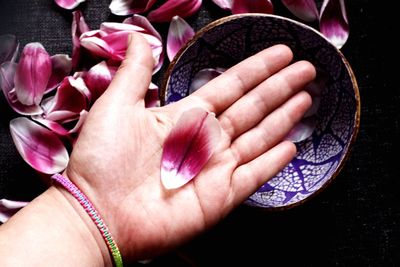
320 157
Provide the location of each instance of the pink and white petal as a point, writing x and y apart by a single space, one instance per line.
144 23
7 73
224 4
68 4
8 48
179 34
78 126
112 27
151 98
33 74
71 98
58 128
117 43
188 147
171 8
128 7
303 9
95 45
333 22
152 36
51 125
38 146
98 78
78 27
302 130
252 6
9 207
203 77
61 68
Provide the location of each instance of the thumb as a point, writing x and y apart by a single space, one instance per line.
133 77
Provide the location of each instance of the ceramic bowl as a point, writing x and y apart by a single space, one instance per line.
227 41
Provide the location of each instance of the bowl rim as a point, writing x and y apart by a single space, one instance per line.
357 115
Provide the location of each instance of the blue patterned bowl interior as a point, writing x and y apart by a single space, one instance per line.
229 40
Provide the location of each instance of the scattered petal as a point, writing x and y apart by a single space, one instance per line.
38 146
111 41
8 48
61 67
252 6
171 8
33 74
129 7
179 34
60 129
188 147
224 4
9 207
68 4
152 99
333 22
7 74
71 98
98 78
302 130
203 77
78 27
149 33
303 9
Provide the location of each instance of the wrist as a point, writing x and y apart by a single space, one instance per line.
52 231
89 234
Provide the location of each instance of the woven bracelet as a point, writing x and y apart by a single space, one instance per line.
94 215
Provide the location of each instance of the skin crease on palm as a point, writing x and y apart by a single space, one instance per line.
116 159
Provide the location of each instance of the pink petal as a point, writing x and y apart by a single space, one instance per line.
171 8
60 129
98 78
9 207
7 73
152 99
115 35
78 27
333 22
303 9
51 125
188 147
252 6
179 34
225 4
8 48
302 130
93 42
68 4
203 77
71 98
128 7
33 74
39 147
152 36
62 66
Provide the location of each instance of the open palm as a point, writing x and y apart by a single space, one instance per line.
116 160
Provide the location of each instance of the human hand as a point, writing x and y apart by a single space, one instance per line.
116 159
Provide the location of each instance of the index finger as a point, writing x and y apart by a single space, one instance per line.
221 92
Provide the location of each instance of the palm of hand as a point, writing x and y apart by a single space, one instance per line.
126 165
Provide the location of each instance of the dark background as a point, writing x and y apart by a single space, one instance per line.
354 222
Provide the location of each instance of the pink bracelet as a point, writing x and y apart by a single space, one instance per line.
94 215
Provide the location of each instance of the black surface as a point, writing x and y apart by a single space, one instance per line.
354 222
